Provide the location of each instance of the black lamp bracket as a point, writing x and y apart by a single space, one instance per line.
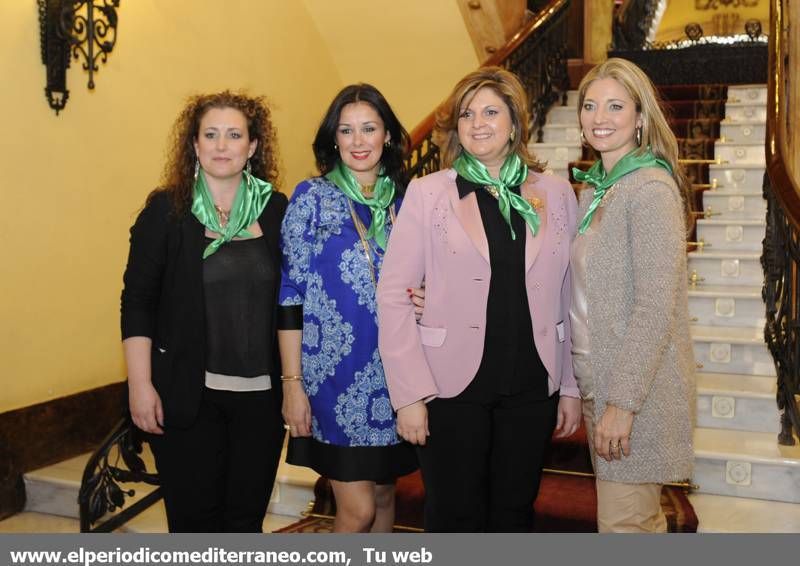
84 30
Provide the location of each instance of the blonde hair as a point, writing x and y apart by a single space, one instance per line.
656 132
508 87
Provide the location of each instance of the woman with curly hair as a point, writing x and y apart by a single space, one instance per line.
198 316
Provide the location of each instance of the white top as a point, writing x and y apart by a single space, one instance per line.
235 383
579 315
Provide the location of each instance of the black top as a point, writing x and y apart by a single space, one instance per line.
163 299
239 281
510 362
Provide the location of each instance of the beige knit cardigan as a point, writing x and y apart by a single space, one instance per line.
641 352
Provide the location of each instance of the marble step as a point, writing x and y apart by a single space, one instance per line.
153 520
727 268
746 464
727 349
54 490
736 204
743 132
735 153
35 523
572 98
737 402
557 133
293 491
741 112
721 234
557 155
734 178
751 94
563 116
727 305
721 514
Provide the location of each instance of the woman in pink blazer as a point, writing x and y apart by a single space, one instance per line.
483 380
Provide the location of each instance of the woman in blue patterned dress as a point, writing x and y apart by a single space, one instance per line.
334 234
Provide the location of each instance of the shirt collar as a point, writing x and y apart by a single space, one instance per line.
466 187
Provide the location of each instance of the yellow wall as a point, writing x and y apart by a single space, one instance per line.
597 18
681 12
73 183
414 51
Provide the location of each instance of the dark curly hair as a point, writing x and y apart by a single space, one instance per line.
178 175
393 156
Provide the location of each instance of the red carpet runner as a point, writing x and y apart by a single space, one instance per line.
566 503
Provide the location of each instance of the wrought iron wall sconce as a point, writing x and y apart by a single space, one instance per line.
84 30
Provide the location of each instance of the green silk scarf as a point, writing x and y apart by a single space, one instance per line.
597 177
251 197
513 173
382 197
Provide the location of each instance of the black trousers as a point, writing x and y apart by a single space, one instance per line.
482 462
217 475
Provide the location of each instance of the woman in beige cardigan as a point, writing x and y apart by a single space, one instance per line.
632 354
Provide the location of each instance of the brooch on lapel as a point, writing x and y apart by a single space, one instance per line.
536 203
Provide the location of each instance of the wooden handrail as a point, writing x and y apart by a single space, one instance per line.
542 18
781 256
424 128
781 82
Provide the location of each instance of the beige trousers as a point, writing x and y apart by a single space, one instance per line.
624 507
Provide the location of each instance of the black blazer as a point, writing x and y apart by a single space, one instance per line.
163 299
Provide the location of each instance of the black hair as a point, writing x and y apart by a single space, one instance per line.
393 156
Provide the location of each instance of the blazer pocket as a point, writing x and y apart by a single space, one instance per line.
160 365
561 332
430 336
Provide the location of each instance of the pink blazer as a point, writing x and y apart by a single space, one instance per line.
439 238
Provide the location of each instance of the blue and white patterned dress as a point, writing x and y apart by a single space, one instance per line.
325 271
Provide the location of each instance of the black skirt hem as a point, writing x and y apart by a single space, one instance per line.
381 464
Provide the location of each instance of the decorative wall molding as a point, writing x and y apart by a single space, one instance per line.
717 4
491 23
49 432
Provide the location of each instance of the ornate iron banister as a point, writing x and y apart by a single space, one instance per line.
781 255
100 491
537 54
632 25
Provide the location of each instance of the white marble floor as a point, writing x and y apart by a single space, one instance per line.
151 521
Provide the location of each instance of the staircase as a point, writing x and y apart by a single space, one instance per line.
52 499
746 481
